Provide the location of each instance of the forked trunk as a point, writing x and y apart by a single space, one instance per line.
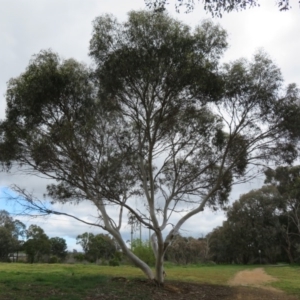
138 262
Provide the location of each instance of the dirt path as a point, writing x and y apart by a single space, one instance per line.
255 293
256 277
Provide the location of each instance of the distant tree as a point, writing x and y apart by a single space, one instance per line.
222 249
7 243
6 220
287 182
58 247
158 120
253 224
84 240
19 233
37 243
214 7
187 250
19 230
10 231
97 246
205 247
255 219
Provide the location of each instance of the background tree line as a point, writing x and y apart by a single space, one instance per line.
15 238
264 224
98 247
11 234
33 241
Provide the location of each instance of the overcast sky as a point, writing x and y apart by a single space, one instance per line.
65 26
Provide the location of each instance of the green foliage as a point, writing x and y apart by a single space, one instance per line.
79 257
10 231
144 251
163 44
7 243
114 262
96 246
287 182
53 260
215 7
257 230
58 247
117 259
118 255
37 244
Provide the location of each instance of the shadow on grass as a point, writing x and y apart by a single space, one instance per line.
51 286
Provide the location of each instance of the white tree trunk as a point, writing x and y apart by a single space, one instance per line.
116 234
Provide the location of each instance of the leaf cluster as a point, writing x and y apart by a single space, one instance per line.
215 7
97 246
10 232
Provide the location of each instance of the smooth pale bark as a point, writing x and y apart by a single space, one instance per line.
159 250
139 263
116 234
159 268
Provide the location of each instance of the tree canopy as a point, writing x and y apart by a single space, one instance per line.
155 128
215 7
96 246
10 231
287 181
259 228
37 243
58 247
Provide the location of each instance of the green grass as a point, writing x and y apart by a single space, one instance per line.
45 281
217 274
288 278
57 281
74 282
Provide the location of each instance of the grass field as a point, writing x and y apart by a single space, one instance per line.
289 278
74 282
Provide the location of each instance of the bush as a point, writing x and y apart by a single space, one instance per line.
114 262
118 256
79 257
5 259
143 250
103 262
53 260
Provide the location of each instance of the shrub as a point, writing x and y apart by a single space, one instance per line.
53 260
114 262
143 250
79 257
118 256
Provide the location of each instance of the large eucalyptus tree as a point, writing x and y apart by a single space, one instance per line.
157 127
